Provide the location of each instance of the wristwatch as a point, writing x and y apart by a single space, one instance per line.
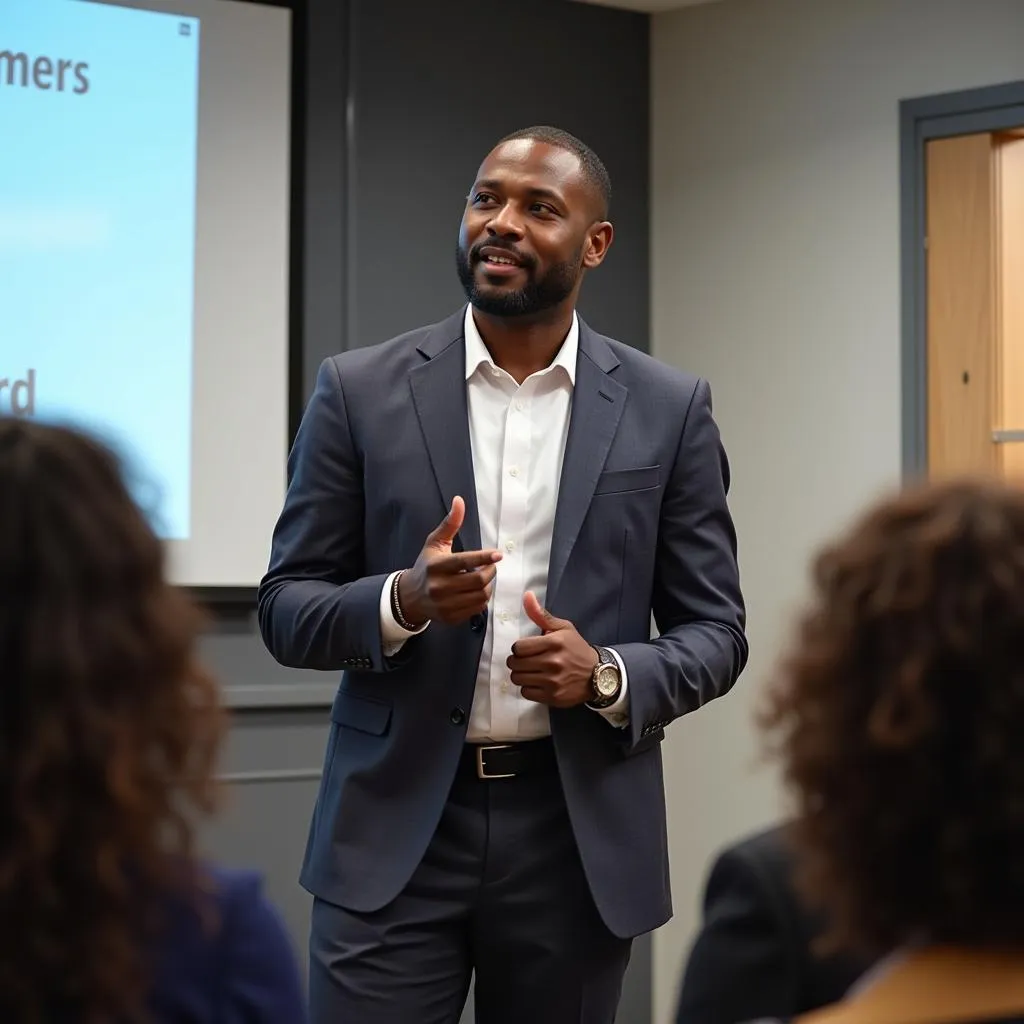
606 680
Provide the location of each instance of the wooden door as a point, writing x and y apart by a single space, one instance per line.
961 307
975 304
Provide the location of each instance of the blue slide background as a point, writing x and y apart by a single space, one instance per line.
97 233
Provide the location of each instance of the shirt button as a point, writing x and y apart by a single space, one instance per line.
514 471
510 545
519 404
457 716
505 617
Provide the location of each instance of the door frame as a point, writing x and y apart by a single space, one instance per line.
940 116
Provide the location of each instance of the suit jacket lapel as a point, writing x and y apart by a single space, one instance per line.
597 404
439 395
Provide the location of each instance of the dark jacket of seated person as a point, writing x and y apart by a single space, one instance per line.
753 956
240 972
110 731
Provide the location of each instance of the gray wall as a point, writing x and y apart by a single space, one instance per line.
398 112
776 274
434 86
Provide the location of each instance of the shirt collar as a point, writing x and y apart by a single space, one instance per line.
477 354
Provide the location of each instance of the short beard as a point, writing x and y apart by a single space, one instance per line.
536 296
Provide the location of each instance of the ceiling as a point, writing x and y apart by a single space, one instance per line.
647 5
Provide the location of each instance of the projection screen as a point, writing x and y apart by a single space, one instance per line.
145 254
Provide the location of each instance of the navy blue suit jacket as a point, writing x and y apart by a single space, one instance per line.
242 972
641 525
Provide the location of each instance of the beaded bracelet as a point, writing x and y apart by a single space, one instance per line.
396 606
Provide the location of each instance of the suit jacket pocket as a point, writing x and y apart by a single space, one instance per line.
616 481
365 714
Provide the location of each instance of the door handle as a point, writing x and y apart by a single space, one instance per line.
1008 436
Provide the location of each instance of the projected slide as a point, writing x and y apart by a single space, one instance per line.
98 138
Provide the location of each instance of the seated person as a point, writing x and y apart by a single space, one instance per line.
897 716
753 955
109 733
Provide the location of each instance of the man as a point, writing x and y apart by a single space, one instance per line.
753 957
481 517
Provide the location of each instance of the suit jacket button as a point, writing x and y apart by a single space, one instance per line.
476 623
457 716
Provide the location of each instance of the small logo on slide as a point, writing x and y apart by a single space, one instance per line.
184 28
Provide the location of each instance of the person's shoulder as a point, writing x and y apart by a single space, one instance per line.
225 943
226 898
261 967
243 907
766 846
227 908
758 860
764 853
400 352
233 887
645 369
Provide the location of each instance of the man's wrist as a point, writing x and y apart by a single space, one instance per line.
409 621
617 714
606 680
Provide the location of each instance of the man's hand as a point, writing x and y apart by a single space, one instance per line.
555 668
443 586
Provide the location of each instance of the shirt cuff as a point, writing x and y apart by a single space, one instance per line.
392 635
617 714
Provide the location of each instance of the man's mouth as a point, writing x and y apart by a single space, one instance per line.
499 262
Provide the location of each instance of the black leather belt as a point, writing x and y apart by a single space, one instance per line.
507 760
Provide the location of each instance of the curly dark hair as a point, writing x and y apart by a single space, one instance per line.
898 717
109 732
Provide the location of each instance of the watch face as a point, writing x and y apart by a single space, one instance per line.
607 681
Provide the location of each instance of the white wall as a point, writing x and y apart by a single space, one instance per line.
775 234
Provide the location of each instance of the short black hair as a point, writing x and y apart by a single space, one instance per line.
593 168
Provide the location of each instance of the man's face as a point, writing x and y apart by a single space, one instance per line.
525 233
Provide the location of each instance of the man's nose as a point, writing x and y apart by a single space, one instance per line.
506 222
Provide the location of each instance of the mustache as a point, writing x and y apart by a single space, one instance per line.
525 261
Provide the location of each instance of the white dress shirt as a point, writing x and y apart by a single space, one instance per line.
517 434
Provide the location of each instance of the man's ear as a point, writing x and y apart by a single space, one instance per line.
599 241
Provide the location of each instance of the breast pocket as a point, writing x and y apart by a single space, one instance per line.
622 481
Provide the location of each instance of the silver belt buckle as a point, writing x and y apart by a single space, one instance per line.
481 769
